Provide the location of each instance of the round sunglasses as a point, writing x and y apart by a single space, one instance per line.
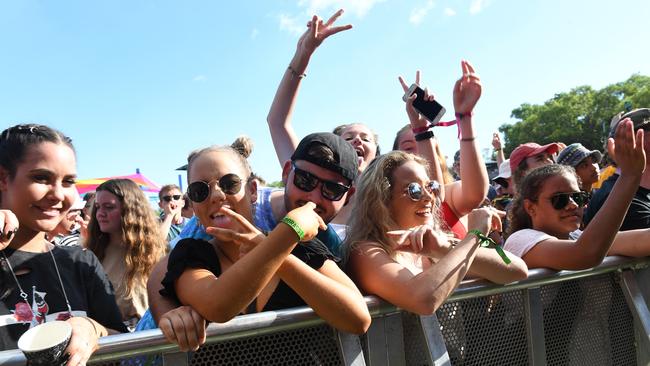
415 191
561 200
199 190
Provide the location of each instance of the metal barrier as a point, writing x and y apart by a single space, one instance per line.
592 317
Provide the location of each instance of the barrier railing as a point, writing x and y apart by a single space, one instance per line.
593 317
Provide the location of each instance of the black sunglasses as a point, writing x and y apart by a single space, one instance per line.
169 198
307 182
561 200
415 192
198 191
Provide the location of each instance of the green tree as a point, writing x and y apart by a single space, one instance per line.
581 115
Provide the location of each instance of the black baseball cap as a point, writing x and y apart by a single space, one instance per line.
345 160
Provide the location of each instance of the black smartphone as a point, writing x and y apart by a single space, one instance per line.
431 110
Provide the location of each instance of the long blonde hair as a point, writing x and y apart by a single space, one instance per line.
141 233
371 218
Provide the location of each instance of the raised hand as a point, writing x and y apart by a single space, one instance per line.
467 89
416 119
496 141
308 220
246 235
630 156
8 227
317 32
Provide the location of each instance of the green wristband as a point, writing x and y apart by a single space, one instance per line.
486 242
294 225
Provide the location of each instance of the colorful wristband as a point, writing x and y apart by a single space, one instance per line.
294 225
486 242
422 129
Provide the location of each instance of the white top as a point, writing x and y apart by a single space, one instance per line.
522 241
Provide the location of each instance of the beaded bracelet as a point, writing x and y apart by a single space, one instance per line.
294 73
486 242
294 225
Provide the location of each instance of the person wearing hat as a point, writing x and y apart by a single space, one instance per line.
504 179
529 156
584 161
638 214
321 170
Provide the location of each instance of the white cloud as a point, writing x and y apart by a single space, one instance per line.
418 14
321 7
449 12
200 78
290 24
476 6
254 33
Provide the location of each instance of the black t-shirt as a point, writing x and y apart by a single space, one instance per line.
638 215
196 253
88 289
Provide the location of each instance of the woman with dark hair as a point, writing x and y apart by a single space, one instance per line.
125 235
41 282
547 212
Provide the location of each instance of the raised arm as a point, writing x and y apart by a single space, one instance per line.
496 144
426 148
284 138
422 293
221 298
595 242
470 193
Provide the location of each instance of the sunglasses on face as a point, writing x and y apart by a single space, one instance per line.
305 181
561 200
169 198
415 190
200 190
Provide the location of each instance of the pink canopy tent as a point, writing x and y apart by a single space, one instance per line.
90 185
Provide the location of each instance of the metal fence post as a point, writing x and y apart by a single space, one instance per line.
350 348
639 309
535 326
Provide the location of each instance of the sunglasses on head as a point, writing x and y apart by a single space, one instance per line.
415 190
561 200
200 190
305 181
169 198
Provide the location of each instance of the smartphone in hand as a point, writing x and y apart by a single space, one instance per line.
431 110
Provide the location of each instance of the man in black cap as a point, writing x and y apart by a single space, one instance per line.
638 215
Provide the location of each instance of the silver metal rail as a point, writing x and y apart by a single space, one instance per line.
477 314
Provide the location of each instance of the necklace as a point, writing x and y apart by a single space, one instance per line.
24 296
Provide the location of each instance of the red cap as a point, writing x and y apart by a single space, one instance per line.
529 149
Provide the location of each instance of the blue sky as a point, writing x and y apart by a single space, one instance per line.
139 84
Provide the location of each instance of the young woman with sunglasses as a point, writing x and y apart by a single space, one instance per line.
125 235
396 248
243 271
547 213
458 197
39 281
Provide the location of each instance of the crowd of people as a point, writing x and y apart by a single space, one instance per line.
349 221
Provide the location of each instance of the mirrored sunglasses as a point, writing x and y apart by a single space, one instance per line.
415 190
561 200
305 181
199 190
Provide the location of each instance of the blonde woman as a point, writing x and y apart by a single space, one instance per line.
396 248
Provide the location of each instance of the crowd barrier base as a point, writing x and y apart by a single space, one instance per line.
593 317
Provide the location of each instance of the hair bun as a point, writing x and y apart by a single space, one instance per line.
243 145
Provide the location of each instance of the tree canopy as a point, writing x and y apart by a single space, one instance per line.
581 115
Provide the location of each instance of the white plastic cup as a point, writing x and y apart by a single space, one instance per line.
45 344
